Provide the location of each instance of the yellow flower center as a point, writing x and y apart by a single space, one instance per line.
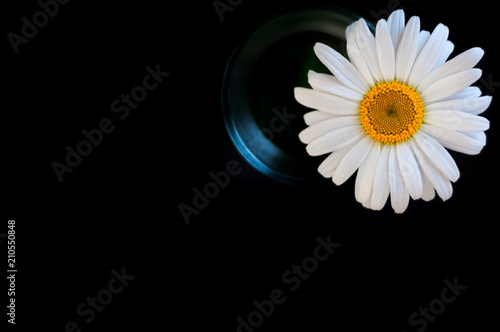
391 112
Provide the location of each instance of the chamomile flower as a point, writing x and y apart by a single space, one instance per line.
392 110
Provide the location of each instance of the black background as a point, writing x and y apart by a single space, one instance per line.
120 207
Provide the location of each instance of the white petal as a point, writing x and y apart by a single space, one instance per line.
331 84
461 62
454 140
434 176
430 54
472 105
438 155
407 50
325 102
314 117
409 170
381 182
423 37
428 192
352 160
467 93
479 137
324 127
368 49
368 203
448 49
396 23
449 85
454 120
385 51
355 55
335 140
399 195
330 164
366 174
341 68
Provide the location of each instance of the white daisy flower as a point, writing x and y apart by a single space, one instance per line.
392 111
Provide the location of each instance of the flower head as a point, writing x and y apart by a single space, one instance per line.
391 111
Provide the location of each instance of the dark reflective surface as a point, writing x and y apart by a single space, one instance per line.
260 111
